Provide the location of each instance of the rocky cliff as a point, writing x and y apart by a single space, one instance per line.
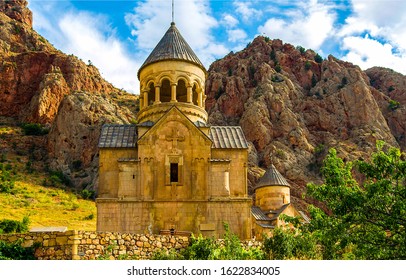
40 84
293 106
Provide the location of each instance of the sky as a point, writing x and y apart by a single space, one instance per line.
117 35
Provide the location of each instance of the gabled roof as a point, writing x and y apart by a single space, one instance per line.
172 46
228 137
258 214
172 110
118 136
272 177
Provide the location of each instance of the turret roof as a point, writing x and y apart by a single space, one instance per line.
172 46
272 177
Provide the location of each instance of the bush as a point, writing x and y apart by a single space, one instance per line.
318 58
86 194
35 129
13 226
6 181
200 248
301 49
307 65
15 251
393 105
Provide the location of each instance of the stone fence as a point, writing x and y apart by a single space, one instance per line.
82 245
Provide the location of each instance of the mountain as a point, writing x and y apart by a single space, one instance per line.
40 84
292 104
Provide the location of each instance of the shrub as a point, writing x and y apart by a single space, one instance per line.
393 105
13 226
307 65
15 251
6 181
301 49
88 194
200 248
318 58
35 129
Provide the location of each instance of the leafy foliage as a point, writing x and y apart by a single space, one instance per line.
393 105
12 226
366 220
6 180
206 248
34 129
15 251
318 58
290 244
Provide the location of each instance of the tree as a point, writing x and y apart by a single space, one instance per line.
364 220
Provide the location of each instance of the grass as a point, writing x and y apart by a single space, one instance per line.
48 206
44 205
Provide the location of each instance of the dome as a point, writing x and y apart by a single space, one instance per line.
172 46
272 177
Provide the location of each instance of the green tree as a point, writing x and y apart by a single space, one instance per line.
364 220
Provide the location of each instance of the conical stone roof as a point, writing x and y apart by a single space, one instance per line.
172 46
272 177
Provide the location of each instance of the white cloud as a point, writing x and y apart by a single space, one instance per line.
236 35
247 12
229 21
385 45
309 25
151 19
367 52
97 43
88 36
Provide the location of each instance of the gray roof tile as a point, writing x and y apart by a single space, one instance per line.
118 136
272 177
258 214
228 137
172 46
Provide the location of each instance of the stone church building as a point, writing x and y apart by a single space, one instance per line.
172 172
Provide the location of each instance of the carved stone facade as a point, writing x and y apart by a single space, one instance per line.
172 172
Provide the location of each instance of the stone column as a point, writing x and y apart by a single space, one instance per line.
189 94
173 92
145 98
157 95
200 97
141 101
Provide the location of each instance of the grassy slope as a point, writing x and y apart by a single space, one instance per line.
44 205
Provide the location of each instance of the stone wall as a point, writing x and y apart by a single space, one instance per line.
81 245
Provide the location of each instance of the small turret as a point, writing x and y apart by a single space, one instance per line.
272 191
172 75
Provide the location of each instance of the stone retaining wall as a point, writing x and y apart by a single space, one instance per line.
81 245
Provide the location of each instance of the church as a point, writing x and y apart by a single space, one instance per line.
171 172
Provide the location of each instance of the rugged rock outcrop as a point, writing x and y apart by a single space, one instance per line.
18 10
40 84
293 106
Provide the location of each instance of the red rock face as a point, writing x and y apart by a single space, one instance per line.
17 10
39 84
293 107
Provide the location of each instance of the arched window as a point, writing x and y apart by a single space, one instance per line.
151 94
181 91
166 91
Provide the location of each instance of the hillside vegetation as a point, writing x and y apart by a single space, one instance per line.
28 189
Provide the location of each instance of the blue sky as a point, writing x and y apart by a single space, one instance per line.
117 36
